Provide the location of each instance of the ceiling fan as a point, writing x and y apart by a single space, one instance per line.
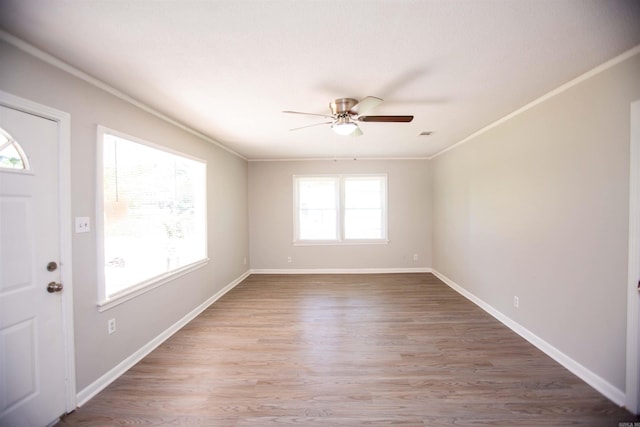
346 112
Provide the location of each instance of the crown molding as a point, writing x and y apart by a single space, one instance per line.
70 69
591 73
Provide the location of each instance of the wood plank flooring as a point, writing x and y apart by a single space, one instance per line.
343 350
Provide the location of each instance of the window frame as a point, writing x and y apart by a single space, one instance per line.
106 302
340 211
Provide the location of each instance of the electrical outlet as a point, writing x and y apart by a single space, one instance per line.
111 326
82 224
289 259
415 257
516 302
245 261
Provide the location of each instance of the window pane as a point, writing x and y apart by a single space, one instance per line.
10 158
318 224
317 208
363 224
11 154
154 212
363 216
363 193
317 193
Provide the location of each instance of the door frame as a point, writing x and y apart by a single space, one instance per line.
633 306
63 121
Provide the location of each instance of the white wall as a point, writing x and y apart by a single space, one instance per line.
145 317
271 217
537 207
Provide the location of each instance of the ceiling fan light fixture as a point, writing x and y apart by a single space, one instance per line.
344 127
347 112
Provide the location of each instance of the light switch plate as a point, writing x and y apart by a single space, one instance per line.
82 224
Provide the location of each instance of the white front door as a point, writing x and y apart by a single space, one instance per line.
633 300
32 349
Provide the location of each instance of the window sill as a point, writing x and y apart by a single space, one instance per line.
340 242
146 286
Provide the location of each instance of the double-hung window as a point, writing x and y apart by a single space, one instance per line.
340 208
151 215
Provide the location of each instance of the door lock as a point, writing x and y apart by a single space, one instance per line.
54 287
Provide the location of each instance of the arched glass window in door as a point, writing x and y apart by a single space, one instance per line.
11 154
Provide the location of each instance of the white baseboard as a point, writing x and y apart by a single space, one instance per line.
340 270
594 380
98 385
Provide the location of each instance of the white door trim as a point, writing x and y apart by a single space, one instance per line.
633 309
64 166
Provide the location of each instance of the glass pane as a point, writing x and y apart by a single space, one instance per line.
154 212
317 193
363 224
11 154
363 193
10 158
318 224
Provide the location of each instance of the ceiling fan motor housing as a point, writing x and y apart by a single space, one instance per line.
342 105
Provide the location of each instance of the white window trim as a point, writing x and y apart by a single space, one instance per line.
340 241
147 285
351 242
104 302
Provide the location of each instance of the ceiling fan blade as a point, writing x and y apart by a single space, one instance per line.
315 124
366 104
396 119
309 114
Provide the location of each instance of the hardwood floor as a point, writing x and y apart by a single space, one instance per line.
342 350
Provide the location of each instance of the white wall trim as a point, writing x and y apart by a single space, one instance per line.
61 65
633 309
591 378
339 270
63 121
98 385
595 71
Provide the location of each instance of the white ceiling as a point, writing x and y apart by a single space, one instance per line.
228 68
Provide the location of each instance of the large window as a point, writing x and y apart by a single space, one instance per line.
340 209
153 211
